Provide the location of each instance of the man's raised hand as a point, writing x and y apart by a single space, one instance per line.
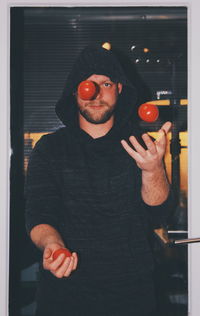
149 159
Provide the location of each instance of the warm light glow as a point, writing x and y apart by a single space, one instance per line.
107 46
183 102
167 102
183 159
146 50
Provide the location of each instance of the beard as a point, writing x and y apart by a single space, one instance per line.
98 116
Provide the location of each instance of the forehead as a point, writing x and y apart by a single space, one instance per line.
98 78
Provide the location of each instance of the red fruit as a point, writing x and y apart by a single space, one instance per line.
86 90
148 112
60 251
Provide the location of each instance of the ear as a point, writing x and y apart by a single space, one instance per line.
119 86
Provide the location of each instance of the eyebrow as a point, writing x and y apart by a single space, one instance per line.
107 80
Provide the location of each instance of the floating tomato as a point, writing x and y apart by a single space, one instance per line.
148 112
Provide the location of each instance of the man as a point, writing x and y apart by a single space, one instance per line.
94 189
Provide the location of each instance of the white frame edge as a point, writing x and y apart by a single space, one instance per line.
193 113
5 157
193 161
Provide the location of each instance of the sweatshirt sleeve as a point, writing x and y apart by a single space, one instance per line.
158 215
41 191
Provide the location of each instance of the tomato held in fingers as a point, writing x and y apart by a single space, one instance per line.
60 251
148 112
86 90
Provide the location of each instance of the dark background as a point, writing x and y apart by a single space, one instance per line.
44 45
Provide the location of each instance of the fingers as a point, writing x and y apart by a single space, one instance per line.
162 133
52 265
166 127
140 155
62 266
74 254
47 253
129 150
65 269
161 139
69 267
137 146
149 158
149 143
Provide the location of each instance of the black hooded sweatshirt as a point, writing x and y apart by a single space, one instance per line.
90 191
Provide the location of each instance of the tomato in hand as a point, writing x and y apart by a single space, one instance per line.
59 251
148 112
86 90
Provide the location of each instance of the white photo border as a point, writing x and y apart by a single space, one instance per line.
193 124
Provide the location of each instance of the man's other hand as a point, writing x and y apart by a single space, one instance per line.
61 267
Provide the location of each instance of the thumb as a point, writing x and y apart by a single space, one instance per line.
166 127
47 253
162 133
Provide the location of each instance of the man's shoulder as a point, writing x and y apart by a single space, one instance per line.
52 141
59 134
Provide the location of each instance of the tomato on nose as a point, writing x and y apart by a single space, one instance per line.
87 90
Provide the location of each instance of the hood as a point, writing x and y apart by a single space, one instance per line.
97 60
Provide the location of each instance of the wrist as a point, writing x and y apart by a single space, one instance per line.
44 235
155 186
54 244
159 170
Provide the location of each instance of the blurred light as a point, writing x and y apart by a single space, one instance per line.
106 45
133 47
146 50
147 61
158 60
163 93
137 60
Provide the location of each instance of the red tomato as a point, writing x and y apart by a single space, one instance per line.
86 90
148 112
60 251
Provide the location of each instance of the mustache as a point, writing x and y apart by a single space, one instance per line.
95 103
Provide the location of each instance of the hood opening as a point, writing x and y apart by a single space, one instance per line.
98 60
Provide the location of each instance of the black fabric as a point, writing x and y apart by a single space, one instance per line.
92 196
89 190
105 301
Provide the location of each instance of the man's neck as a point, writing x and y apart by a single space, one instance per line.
95 130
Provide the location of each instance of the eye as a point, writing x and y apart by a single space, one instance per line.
107 84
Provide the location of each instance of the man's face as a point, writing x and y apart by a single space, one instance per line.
100 109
